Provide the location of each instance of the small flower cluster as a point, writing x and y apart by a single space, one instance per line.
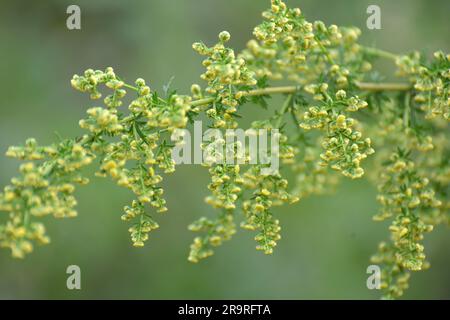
343 144
307 53
412 182
227 76
90 81
227 187
224 169
269 191
101 120
311 177
225 190
404 195
216 232
224 186
45 188
394 276
138 140
171 114
435 165
283 25
289 46
431 82
139 231
344 147
395 128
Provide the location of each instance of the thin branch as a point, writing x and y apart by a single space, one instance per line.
283 110
380 53
366 86
394 86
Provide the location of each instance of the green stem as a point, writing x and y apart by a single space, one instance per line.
407 112
129 86
26 219
374 87
324 51
380 53
283 110
366 86
201 102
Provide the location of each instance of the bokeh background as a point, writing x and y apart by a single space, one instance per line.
327 241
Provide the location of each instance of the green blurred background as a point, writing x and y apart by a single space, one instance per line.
327 241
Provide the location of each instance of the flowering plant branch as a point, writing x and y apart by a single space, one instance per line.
334 103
